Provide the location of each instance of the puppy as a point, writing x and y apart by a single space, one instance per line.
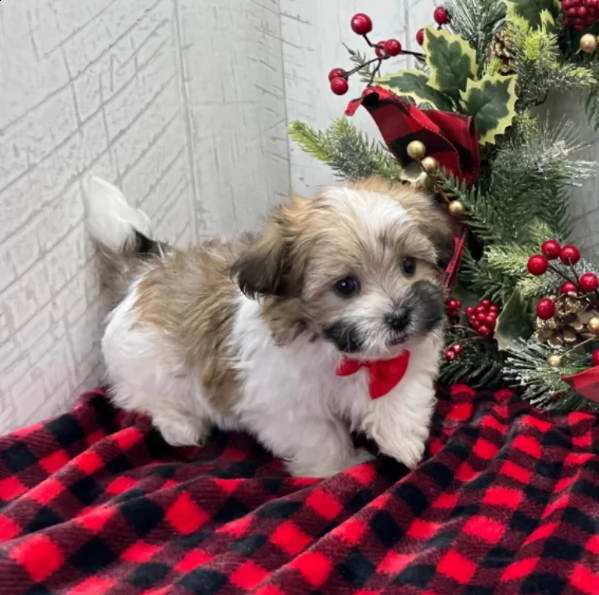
328 320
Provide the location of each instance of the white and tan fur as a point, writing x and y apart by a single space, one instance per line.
248 334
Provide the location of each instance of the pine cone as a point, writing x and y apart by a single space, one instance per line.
500 48
569 324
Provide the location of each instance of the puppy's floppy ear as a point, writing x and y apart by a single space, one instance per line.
264 267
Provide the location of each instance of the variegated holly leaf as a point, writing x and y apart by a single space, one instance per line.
451 61
491 101
534 11
414 84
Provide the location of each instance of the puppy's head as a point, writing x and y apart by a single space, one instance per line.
356 266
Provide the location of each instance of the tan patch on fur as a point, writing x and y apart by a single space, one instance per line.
191 297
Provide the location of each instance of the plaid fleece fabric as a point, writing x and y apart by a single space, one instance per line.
506 502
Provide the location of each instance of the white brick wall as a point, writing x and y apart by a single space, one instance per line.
130 91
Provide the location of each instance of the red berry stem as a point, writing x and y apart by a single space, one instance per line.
562 275
361 66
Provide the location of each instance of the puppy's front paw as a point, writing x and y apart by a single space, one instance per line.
181 431
407 450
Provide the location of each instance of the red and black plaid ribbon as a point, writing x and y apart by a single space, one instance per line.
448 137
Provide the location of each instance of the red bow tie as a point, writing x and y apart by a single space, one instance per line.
383 374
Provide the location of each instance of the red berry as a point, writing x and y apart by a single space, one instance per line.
361 24
469 310
545 309
392 47
486 304
551 249
568 287
483 331
450 355
453 305
458 304
456 348
595 357
441 16
476 324
472 319
494 310
481 317
569 255
379 49
589 282
480 308
420 37
339 86
537 265
336 73
582 12
490 320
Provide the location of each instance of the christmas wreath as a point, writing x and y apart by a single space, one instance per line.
464 124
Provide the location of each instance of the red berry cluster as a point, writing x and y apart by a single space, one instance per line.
361 24
580 14
441 17
569 255
453 351
483 318
453 308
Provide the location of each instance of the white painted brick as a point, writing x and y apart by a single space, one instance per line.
93 40
18 254
170 183
29 195
30 80
66 259
136 140
147 172
138 94
60 217
9 354
25 297
103 78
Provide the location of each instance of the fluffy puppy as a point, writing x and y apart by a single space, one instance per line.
281 334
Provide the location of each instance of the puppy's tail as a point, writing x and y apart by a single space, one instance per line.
122 233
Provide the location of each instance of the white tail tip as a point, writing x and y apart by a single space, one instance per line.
111 220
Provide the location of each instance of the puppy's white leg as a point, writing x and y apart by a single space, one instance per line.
399 423
313 447
179 429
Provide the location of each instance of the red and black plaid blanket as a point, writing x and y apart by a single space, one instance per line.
506 502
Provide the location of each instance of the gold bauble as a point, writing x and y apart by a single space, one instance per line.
429 165
555 361
588 43
593 325
456 208
416 150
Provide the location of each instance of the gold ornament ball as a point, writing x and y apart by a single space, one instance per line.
456 208
416 150
593 325
555 361
588 43
429 165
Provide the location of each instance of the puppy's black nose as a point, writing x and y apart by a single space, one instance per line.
399 319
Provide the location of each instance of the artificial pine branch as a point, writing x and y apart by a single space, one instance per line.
346 150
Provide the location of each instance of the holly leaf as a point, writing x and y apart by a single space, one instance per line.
513 323
491 101
451 61
533 10
414 84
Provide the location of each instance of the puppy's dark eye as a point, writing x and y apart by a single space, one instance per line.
347 287
408 266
